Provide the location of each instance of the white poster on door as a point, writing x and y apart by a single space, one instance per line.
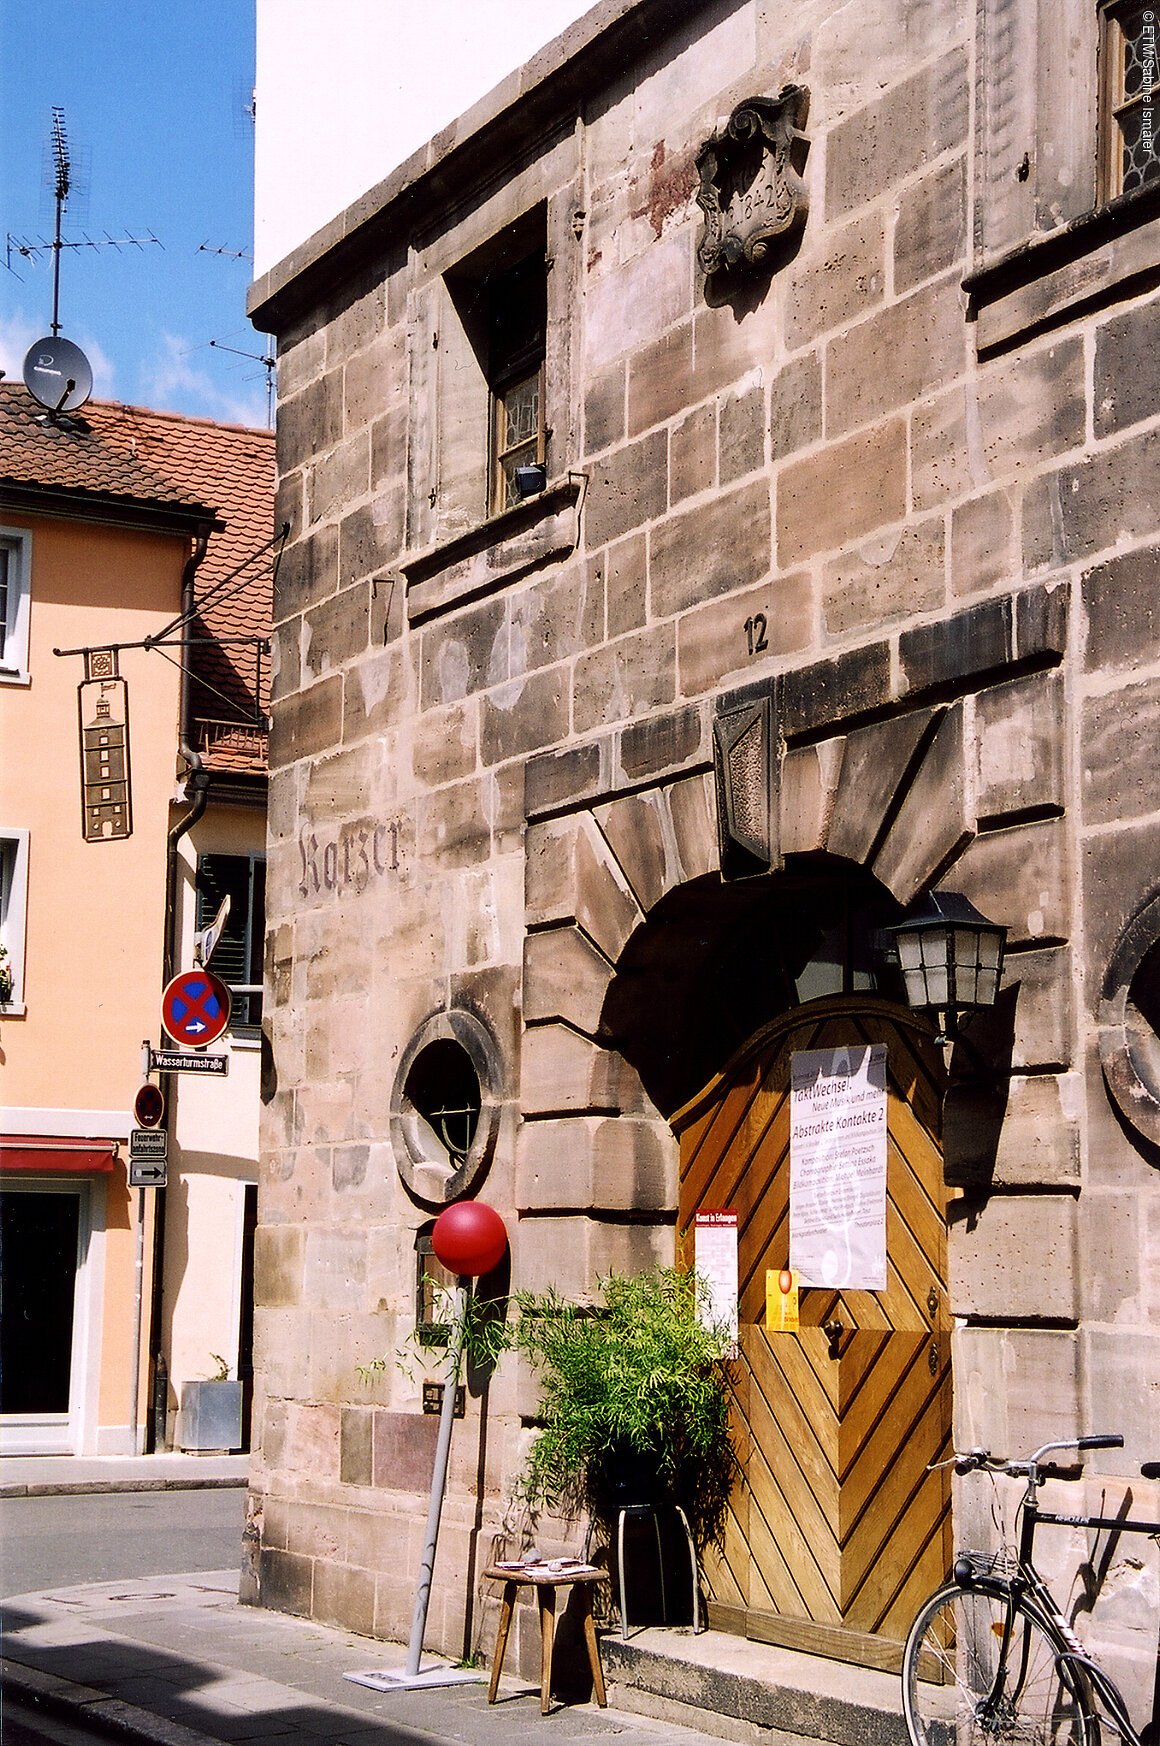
837 1193
715 1258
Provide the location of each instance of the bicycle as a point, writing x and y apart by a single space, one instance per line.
991 1659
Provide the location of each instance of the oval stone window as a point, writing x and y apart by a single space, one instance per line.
445 1107
1130 1022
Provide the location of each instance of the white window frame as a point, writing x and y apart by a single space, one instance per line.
13 911
17 543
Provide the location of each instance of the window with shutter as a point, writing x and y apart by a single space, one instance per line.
237 957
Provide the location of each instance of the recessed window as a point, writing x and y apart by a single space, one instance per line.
13 893
516 300
433 1284
237 957
14 603
1130 152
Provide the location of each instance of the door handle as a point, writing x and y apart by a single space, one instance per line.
833 1332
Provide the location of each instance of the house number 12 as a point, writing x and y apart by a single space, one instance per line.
755 633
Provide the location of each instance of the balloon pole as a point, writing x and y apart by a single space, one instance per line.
469 1239
438 1481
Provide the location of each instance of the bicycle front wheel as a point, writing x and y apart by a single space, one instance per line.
977 1673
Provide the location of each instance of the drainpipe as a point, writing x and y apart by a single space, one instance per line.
197 793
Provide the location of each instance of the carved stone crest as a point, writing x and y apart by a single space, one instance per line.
751 188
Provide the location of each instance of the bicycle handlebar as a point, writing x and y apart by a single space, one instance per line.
972 1460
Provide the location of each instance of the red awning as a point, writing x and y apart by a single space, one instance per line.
49 1152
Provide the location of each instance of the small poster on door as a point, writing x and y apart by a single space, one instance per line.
837 1195
715 1258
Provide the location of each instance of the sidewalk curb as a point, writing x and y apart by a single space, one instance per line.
91 1708
78 1487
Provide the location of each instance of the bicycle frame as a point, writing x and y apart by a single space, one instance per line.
1026 1584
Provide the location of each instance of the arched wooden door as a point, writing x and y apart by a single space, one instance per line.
838 1527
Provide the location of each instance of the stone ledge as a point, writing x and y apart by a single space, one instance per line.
497 551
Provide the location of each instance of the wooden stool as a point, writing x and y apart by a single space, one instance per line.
546 1579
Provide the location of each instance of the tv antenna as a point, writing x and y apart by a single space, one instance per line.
32 249
268 362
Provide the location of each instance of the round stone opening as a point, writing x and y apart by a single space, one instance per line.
443 1086
445 1107
1130 1023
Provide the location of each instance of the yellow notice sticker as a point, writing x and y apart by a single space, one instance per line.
781 1301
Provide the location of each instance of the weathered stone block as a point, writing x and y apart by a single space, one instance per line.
1044 1024
1120 778
795 405
404 1448
658 379
977 641
1039 1141
894 357
1018 746
622 679
807 794
334 1269
307 723
913 124
1127 370
742 432
374 693
1122 1376
832 691
562 1071
1119 874
604 410
719 546
335 631
930 234
935 819
1019 411
300 360
692 808
556 615
1021 877
355 1464
524 715
278 1259
637 830
310 421
287 1582
445 746
454 829
463 654
370 537
1014 1259
572 875
983 545
344 1596
594 1162
662 744
841 493
628 488
724 640
565 977
1122 606
308 572
571 1254
338 478
627 307
891 575
554 779
693 454
1104 500
1015 1389
837 281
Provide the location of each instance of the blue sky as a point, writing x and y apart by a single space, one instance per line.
155 96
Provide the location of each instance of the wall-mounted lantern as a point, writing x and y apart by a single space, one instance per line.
951 958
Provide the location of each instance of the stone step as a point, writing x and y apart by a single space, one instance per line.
751 1692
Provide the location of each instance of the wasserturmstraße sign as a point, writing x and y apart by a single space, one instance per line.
186 1061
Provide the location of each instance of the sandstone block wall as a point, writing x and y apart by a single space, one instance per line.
923 521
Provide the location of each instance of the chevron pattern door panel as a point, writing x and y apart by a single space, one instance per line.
838 1527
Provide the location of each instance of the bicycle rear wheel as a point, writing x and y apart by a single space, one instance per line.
958 1688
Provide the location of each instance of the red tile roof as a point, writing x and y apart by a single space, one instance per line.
127 455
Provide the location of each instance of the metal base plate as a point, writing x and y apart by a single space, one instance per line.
397 1679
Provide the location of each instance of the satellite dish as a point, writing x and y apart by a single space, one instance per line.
57 374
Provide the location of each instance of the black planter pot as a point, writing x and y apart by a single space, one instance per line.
630 1478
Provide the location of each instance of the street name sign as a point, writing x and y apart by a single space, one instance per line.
147 1142
185 1061
147 1173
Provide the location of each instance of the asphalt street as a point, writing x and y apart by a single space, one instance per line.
104 1536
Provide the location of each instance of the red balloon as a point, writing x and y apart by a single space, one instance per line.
469 1238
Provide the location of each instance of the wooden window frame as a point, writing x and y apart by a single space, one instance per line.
253 941
1114 102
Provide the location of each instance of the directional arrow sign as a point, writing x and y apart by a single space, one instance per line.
195 1008
146 1173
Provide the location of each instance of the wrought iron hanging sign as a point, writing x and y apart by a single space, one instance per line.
751 188
106 799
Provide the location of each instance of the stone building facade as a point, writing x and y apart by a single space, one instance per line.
832 327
